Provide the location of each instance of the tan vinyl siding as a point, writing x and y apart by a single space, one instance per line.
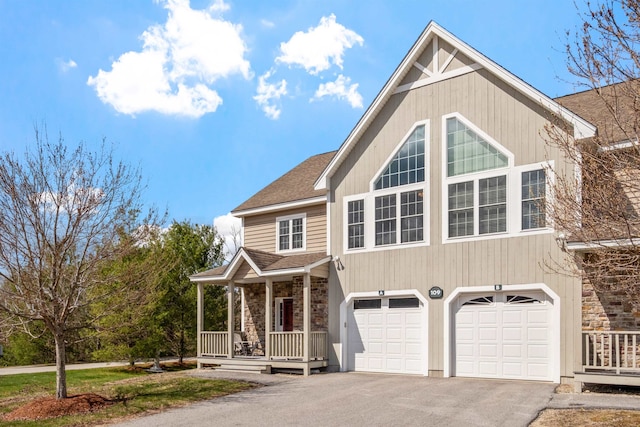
512 120
244 272
260 230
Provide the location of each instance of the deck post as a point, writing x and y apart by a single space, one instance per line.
306 318
268 296
199 321
230 318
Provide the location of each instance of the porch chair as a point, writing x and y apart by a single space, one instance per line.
240 346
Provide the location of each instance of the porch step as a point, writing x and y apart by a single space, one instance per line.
625 378
262 368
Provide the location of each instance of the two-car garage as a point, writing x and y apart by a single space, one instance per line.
509 334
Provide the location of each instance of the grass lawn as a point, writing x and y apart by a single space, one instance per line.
133 391
587 418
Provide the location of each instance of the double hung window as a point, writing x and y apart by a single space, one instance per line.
393 212
291 233
479 175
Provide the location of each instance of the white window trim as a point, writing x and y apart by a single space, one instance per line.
385 164
369 201
514 182
304 233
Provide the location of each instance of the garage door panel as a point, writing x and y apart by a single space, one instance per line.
488 334
504 338
487 317
513 370
387 339
488 350
512 351
488 368
511 334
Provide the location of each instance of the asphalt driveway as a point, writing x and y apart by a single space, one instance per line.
357 399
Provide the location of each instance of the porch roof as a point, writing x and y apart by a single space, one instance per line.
265 264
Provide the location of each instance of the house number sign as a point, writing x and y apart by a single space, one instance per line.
435 292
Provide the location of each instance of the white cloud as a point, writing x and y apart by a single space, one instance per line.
177 65
319 47
65 66
267 24
340 89
267 93
229 228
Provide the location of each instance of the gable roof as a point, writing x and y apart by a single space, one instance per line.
295 185
582 128
595 107
264 264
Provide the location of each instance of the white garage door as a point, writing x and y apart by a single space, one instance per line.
504 335
386 335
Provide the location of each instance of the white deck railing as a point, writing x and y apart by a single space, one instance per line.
283 345
214 343
289 345
612 351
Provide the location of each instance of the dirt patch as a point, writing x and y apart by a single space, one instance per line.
50 407
587 418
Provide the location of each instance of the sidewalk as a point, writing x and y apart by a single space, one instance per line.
12 370
594 401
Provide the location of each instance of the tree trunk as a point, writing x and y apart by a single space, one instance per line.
182 343
61 373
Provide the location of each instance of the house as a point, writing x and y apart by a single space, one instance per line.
418 246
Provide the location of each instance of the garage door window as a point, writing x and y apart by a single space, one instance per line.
367 304
485 300
521 299
404 303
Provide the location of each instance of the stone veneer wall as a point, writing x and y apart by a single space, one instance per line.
605 308
254 297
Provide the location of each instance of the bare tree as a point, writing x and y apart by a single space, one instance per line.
64 213
599 206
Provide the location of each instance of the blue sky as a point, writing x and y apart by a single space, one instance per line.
214 100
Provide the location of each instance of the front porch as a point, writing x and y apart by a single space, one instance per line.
284 313
285 350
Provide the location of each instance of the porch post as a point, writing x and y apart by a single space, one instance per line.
230 318
306 319
199 322
268 296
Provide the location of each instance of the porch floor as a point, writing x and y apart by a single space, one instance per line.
261 364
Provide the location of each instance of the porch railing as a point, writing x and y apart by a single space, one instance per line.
214 343
289 345
283 345
611 351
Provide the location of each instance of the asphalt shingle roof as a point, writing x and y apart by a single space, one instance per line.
297 184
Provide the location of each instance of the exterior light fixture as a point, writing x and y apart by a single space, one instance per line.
381 292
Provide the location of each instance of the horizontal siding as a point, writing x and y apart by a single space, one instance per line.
260 230
515 122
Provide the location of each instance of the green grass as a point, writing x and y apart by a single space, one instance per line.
134 391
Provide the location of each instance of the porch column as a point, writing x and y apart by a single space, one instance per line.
230 318
306 319
199 322
268 296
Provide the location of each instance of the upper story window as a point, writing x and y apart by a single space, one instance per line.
393 212
482 186
407 166
291 233
533 196
468 152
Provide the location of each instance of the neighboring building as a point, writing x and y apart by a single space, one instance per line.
418 247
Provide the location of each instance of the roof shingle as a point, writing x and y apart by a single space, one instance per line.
297 184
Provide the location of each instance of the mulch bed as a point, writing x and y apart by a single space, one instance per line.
50 407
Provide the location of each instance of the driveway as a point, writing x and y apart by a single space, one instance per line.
358 399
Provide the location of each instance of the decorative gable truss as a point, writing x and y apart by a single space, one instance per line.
439 61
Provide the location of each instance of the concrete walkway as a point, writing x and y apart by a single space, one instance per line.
12 370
